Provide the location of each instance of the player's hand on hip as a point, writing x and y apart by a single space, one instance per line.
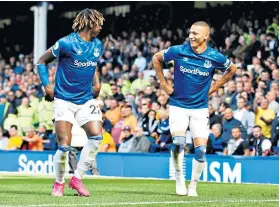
96 91
168 89
49 94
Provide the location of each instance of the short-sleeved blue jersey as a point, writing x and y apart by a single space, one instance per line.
193 74
77 61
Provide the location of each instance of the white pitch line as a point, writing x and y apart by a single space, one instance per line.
143 203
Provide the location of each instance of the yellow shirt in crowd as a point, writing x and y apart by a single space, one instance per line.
107 139
14 142
266 114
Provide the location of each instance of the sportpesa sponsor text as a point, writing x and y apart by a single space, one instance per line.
84 64
195 71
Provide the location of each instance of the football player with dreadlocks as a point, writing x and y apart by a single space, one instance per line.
76 85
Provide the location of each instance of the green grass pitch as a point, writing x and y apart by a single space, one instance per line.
30 191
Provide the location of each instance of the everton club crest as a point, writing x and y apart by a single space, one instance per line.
96 52
207 64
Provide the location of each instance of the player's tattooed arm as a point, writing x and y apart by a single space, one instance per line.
226 77
158 62
96 84
45 59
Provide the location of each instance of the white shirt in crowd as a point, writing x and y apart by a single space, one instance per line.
274 106
244 116
3 143
141 63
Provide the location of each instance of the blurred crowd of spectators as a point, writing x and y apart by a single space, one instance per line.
244 116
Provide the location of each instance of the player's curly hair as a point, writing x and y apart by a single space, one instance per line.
87 18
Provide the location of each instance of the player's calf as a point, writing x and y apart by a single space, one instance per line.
87 157
198 164
60 159
177 155
177 152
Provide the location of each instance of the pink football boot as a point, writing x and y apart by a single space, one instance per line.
76 184
58 189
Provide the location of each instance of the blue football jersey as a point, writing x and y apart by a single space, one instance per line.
193 74
77 61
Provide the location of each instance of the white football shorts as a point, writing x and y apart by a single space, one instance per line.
197 119
67 111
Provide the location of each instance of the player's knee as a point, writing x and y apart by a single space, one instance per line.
179 140
63 139
199 153
93 128
96 131
178 143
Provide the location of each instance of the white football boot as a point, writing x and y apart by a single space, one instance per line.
181 189
192 191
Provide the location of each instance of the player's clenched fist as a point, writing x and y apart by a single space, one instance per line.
168 89
212 90
49 94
